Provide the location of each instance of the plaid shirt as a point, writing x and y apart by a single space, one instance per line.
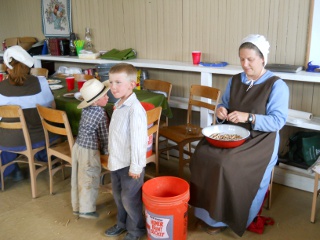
93 130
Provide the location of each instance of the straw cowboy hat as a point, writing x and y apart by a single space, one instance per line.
91 91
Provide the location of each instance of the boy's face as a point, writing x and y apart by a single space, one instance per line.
120 86
102 101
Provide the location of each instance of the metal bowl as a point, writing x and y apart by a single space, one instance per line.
226 129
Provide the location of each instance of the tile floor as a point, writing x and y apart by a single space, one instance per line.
50 217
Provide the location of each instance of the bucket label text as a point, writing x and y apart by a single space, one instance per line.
159 227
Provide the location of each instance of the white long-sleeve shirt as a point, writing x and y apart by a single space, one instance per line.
128 136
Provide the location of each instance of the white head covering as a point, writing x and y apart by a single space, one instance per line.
91 91
19 54
261 43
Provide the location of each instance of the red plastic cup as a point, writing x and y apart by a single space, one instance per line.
70 83
1 77
80 84
196 55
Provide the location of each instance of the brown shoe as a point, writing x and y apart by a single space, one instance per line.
215 230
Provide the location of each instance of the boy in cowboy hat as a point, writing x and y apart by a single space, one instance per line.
92 140
127 153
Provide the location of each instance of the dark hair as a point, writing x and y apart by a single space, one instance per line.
19 73
249 45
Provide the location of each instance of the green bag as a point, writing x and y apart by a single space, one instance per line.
116 54
304 147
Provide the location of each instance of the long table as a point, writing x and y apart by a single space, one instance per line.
69 105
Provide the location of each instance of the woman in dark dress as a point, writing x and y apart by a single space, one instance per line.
228 185
25 90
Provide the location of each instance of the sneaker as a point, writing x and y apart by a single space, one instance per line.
130 237
17 175
90 215
114 231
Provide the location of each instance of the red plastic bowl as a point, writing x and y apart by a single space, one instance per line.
226 129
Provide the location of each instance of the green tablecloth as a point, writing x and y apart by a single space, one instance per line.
69 105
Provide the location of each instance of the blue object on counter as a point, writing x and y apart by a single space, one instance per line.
313 68
215 64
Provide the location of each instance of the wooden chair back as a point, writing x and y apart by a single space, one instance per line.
78 77
3 67
12 118
203 97
161 86
153 120
56 122
200 97
39 72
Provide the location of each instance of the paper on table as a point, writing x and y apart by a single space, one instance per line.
299 114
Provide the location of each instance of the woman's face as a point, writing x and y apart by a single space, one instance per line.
251 62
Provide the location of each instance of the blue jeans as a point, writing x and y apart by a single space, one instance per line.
127 193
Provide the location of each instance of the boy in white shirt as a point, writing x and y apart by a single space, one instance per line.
127 153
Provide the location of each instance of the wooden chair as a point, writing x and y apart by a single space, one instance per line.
316 193
56 122
199 96
104 165
15 112
39 72
3 67
78 77
161 86
153 120
270 190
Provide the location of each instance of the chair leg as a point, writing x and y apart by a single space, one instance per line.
270 190
2 179
181 159
314 198
33 176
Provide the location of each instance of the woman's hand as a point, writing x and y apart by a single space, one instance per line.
222 113
238 117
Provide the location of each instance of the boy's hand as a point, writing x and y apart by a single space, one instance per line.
104 161
134 176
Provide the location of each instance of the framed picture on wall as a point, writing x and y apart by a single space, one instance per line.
56 18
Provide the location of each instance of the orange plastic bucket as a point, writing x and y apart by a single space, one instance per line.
166 207
147 107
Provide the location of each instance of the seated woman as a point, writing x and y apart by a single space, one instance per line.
234 181
25 90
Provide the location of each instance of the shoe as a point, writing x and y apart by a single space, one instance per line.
215 230
90 215
17 175
114 231
76 213
130 237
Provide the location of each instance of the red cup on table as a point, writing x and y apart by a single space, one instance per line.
196 55
70 83
80 84
1 76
